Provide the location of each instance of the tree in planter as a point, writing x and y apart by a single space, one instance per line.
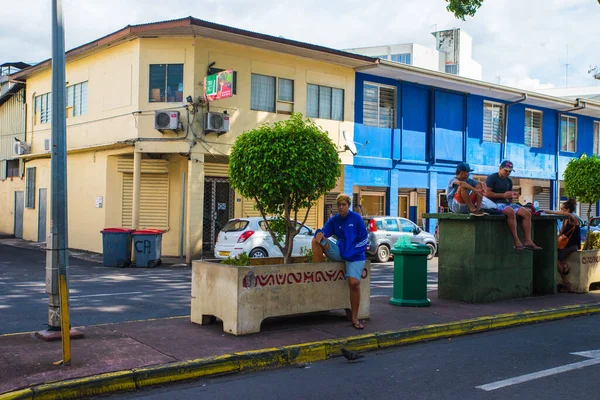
581 181
285 167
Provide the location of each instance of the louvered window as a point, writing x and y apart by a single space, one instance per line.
493 122
379 106
30 188
596 138
533 128
77 98
43 108
568 133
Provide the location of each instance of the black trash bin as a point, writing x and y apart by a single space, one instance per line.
147 245
116 247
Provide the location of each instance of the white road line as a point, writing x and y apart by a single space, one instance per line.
103 295
536 375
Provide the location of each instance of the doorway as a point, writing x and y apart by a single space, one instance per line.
19 206
218 209
403 206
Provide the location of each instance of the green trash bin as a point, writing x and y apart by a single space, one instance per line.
410 276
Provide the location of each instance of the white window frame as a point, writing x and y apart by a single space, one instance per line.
530 114
597 138
378 121
43 107
565 146
280 106
498 135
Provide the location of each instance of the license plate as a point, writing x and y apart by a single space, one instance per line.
224 253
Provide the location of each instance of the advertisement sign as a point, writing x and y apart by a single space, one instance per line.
218 86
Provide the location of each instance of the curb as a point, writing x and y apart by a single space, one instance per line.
278 357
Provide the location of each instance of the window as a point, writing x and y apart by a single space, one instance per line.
568 133
77 98
12 168
493 122
596 138
533 128
381 57
391 225
325 102
166 83
401 58
30 188
452 69
43 108
265 89
379 105
407 226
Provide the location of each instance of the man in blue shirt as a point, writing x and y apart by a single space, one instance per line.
349 229
500 190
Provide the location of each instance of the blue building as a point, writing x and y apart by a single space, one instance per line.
419 124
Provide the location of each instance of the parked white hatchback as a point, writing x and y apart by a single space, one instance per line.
250 235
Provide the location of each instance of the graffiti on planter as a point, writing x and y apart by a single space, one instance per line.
251 280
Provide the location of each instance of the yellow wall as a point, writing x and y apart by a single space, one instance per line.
112 98
8 188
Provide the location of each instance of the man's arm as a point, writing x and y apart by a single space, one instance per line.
327 229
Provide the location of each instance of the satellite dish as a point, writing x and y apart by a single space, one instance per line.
349 145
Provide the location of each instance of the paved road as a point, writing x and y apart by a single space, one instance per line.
103 295
445 369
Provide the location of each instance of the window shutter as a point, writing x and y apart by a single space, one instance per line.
533 128
493 122
154 201
596 138
30 188
379 105
387 105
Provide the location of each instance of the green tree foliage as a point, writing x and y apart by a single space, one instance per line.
285 167
462 8
582 182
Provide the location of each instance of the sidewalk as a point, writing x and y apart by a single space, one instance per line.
125 356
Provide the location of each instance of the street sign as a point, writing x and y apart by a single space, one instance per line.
593 355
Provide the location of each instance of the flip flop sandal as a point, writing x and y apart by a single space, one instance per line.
533 248
519 248
358 326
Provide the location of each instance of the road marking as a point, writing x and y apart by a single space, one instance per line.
593 354
103 295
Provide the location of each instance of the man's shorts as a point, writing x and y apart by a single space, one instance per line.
459 208
502 206
354 269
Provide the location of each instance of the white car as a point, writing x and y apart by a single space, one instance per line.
250 235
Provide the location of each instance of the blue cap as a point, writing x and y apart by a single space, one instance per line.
464 167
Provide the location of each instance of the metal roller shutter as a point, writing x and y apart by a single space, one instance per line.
154 201
543 198
583 209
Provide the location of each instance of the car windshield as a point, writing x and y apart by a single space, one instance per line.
236 225
595 222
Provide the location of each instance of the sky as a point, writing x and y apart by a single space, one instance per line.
519 43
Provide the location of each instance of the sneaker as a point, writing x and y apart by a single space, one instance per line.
478 213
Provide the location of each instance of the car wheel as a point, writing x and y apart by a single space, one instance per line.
258 253
431 251
383 253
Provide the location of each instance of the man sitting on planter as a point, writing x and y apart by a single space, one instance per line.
351 234
465 194
499 190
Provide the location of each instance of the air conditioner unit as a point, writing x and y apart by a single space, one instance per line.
216 122
47 144
20 148
166 120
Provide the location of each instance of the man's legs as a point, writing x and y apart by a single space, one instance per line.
511 221
526 216
465 195
318 249
354 286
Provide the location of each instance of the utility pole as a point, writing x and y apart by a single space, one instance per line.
57 256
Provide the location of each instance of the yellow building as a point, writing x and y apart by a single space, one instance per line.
122 171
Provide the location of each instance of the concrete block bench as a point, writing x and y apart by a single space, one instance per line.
477 262
242 297
584 268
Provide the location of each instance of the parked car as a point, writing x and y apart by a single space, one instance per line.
385 231
250 235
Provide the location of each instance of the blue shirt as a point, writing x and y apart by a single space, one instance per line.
351 233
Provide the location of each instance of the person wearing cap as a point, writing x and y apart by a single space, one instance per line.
463 193
499 190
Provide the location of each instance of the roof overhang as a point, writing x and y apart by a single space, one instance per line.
193 27
408 73
13 89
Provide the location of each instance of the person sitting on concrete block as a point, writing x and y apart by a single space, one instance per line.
465 194
499 190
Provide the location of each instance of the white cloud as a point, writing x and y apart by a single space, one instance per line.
533 34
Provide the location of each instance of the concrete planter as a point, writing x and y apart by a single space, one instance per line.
242 297
584 269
